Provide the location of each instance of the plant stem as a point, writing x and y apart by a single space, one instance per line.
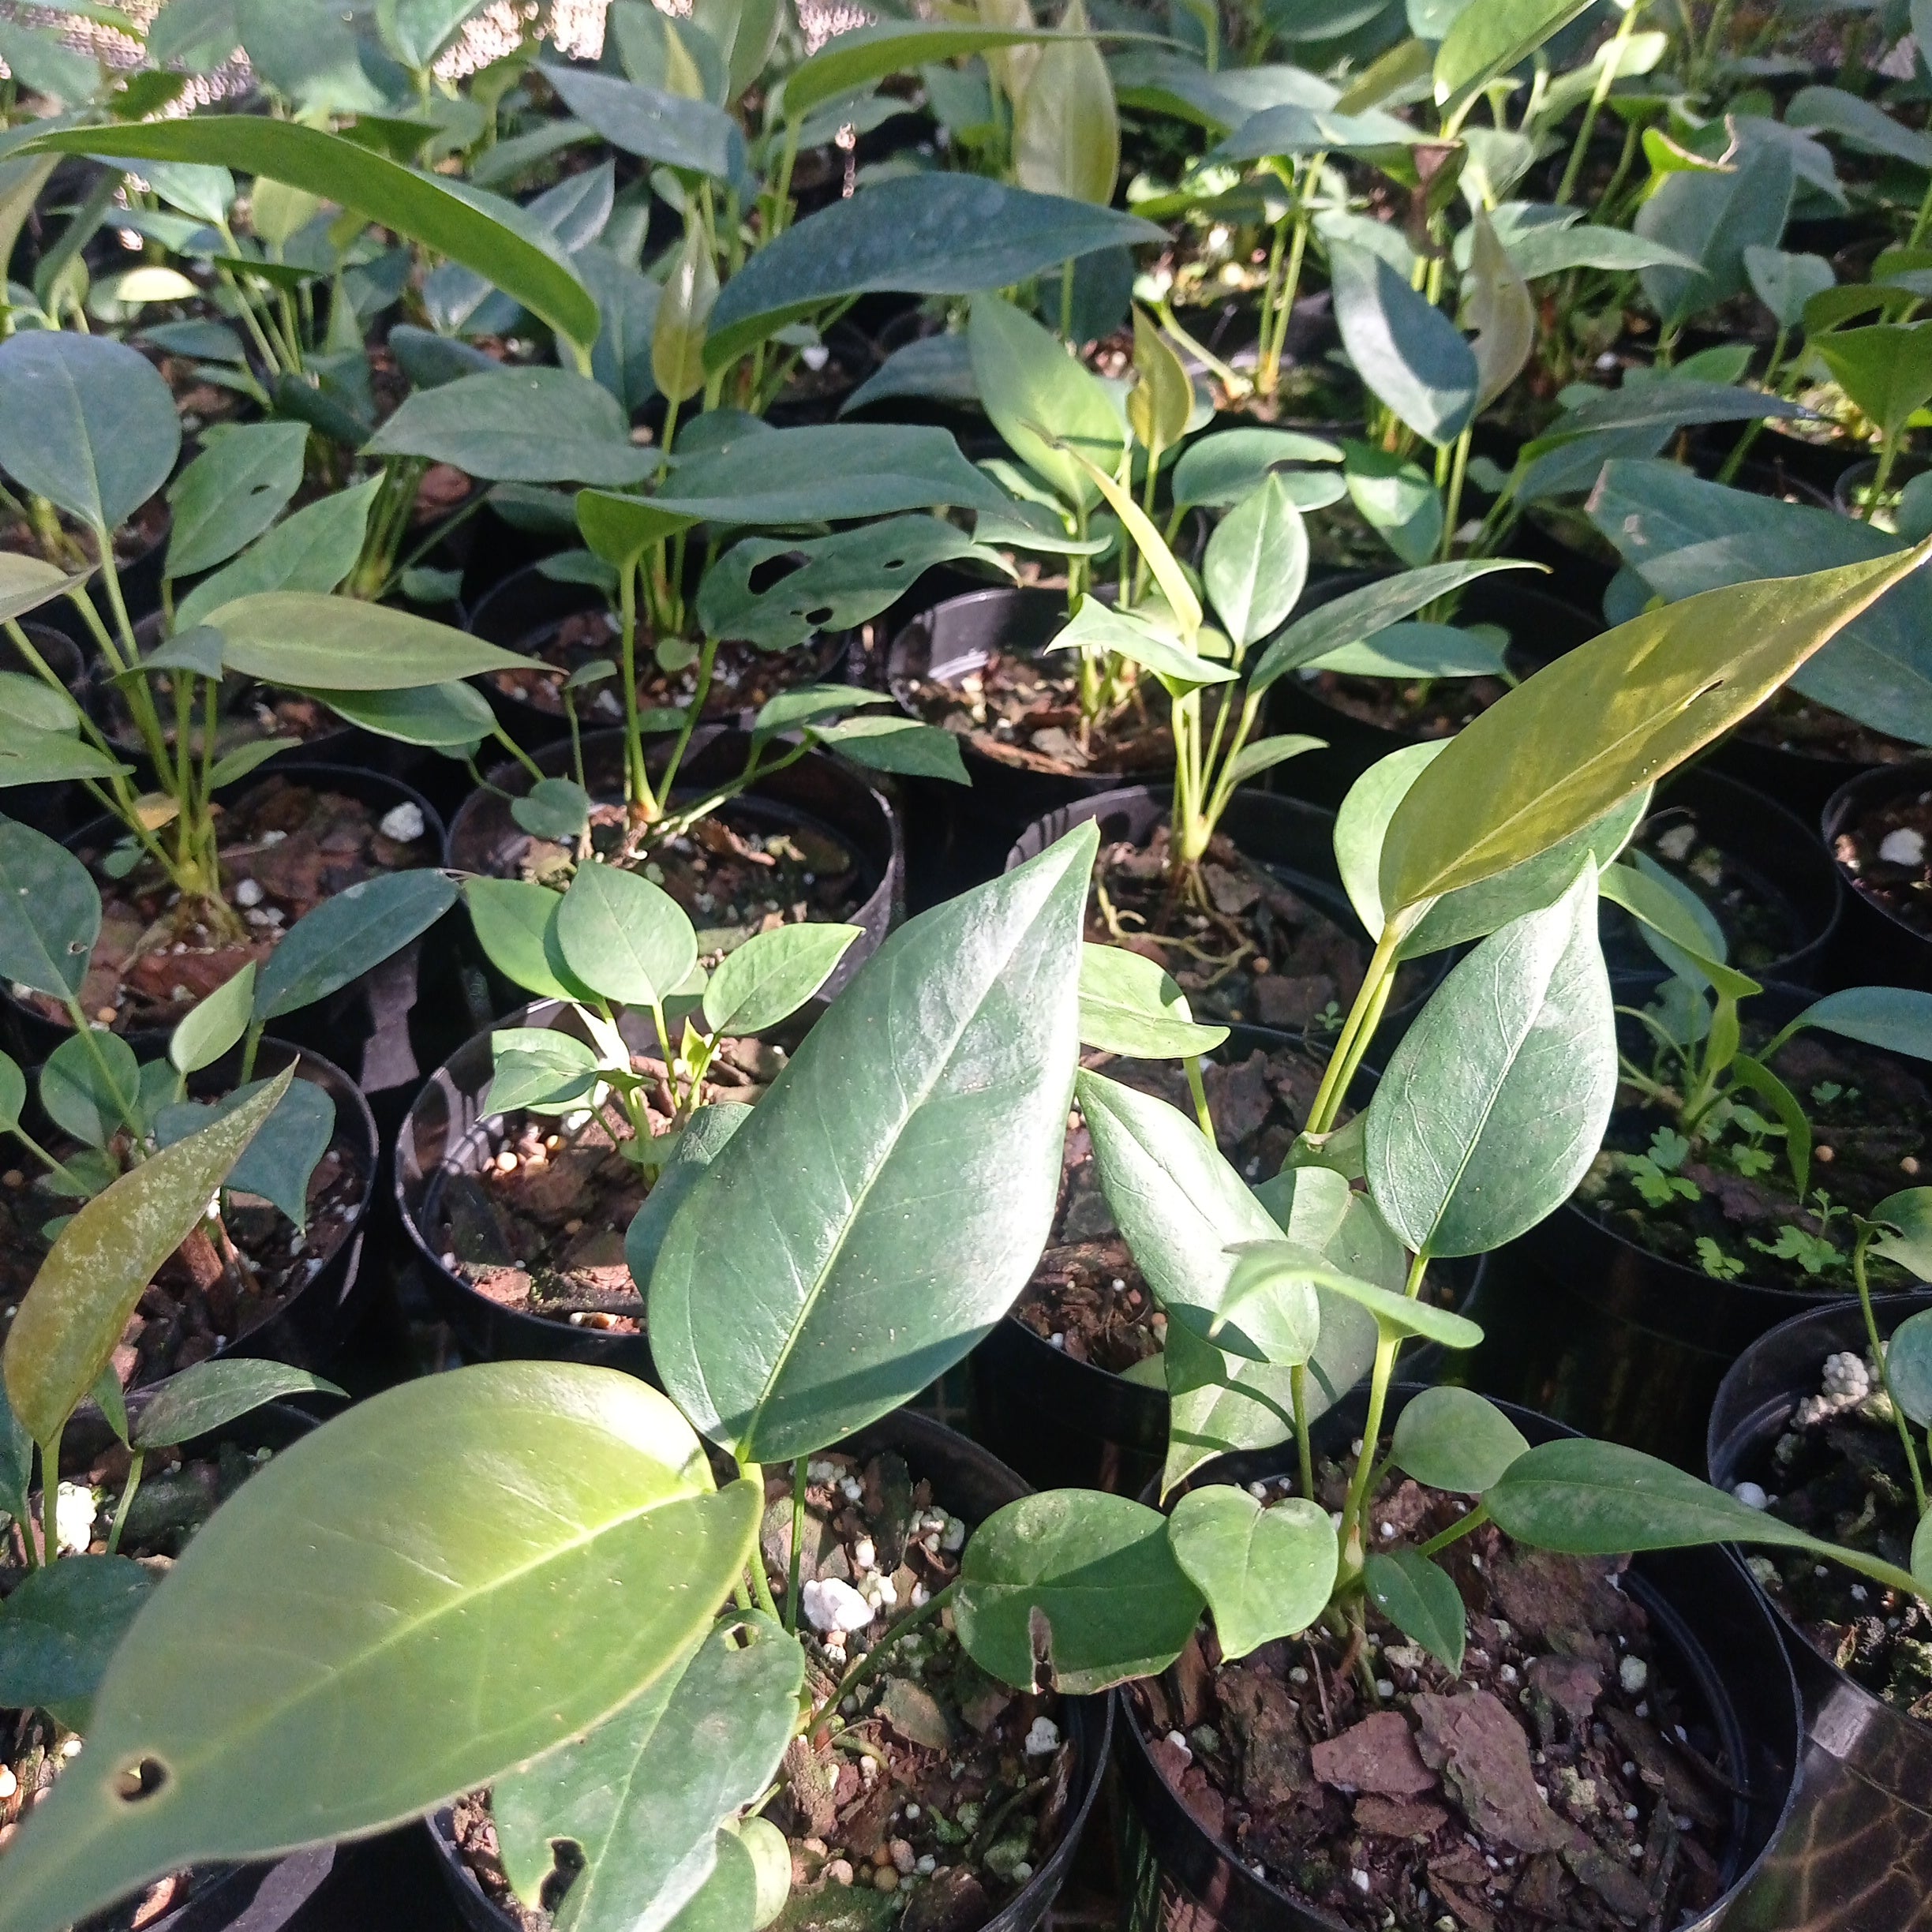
864 1666
1458 470
707 660
642 802
1349 1535
50 1496
761 1586
1884 1367
1441 1542
127 1502
1610 61
1192 1064
1357 1032
1305 1451
799 1470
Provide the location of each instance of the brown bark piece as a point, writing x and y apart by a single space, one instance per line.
1399 1817
1377 1755
1275 1754
1483 1757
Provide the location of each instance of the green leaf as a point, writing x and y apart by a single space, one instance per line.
1908 1368
1397 500
421 207
277 1163
625 937
707 1130
1098 629
1218 471
1128 1004
691 136
1161 404
1490 39
1598 1499
416 30
72 1317
1676 924
35 757
13 1091
1785 282
232 492
313 550
512 1504
864 54
896 744
1714 216
88 1086
86 422
1421 1600
452 716
1496 303
1073 1590
683 315
1495 1101
1885 369
511 917
1922 1555
1066 137
214 1024
1262 755
840 581
553 808
643 1796
1293 129
621 529
1394 1314
26 583
1408 352
346 936
198 649
1421 650
245 757
303 638
907 1158
1862 124
1265 1573
1569 743
42 63
770 977
541 1068
50 912
1895 1018
1028 383
523 425
1907 1216
1454 1439
1364 613
213 1393
1550 250
1256 564
942 233
60 1626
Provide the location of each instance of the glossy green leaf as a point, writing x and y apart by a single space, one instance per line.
1294 129
643 1796
1550 250
346 936
890 1194
1027 383
1161 404
1498 305
90 1093
523 425
539 1068
857 58
1862 124
60 1626
1885 369
1598 1499
1268 1311
942 233
1454 1439
1676 924
512 1503
277 1163
1785 282
1266 1572
1098 628
1358 614
1073 1590
1408 352
50 912
1897 1019
245 757
303 638
510 918
232 492
313 550
1397 500
1421 1600
416 30
1616 713
422 207
39 707
42 63
1495 1101
678 133
214 1024
72 1317
1908 1367
32 757
1714 216
1256 564
707 1130
1218 471
27 582
626 938
684 316
86 422
1128 1004
770 977
1421 650
553 808
1906 1217
211 1394
453 716
1066 137
1490 39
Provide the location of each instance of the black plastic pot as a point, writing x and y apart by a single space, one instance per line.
1876 946
1770 847
1704 1610
1858 1856
820 792
47 808
1541 627
972 1484
1293 840
525 602
1862 474
386 1025
1585 1325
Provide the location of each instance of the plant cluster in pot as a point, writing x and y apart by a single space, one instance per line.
1416 1645
536 1173
855 1236
125 1483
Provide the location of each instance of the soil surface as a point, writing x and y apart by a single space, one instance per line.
247 715
200 1299
1255 951
1759 923
1727 1205
1886 852
540 1228
1790 723
736 873
1016 710
1837 1470
176 1496
1566 1777
931 1797
1087 1297
742 678
286 847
